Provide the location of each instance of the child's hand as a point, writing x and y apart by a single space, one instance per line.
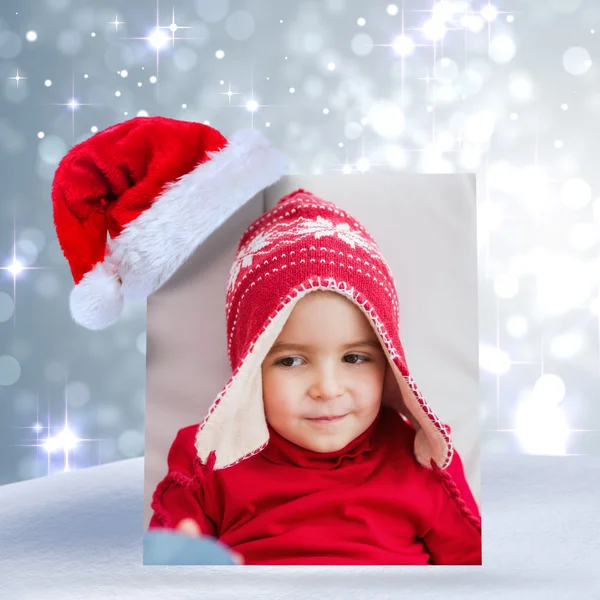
191 528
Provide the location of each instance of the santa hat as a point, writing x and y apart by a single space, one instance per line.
301 245
133 202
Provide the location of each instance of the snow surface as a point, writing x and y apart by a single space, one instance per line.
79 536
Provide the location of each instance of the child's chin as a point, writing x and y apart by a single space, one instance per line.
328 443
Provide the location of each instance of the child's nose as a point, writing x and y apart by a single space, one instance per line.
327 384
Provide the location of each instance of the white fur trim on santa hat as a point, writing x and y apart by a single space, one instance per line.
153 246
96 301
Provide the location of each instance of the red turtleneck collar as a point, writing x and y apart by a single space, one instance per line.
280 450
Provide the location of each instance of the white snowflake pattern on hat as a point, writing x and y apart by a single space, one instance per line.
288 233
324 227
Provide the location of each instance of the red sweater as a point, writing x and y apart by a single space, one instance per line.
370 503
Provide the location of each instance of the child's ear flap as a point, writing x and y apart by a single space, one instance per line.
430 443
392 396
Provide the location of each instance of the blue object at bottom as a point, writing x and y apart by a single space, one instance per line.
168 548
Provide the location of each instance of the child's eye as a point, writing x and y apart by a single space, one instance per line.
287 361
355 359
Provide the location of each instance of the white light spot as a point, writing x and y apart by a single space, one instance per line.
124 73
403 45
153 79
521 87
549 389
158 38
489 12
517 327
252 105
48 83
493 360
434 29
346 169
117 94
443 11
583 236
576 61
31 36
392 10
292 90
331 66
15 267
41 135
479 127
142 113
325 111
10 370
541 429
506 286
576 193
93 129
473 23
363 164
567 345
219 54
564 106
66 440
361 21
558 144
502 49
93 34
387 119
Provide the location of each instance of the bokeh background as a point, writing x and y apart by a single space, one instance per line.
507 89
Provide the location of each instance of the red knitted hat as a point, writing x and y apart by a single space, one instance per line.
133 202
301 245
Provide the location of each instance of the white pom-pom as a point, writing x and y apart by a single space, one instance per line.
96 302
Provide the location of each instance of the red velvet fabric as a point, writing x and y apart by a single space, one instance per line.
109 180
370 503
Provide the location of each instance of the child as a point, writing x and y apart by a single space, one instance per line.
320 449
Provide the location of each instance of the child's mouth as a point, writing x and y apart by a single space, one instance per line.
327 419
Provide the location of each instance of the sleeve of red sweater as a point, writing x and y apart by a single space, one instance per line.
455 537
179 495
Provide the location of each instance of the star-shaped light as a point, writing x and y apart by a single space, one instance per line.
73 104
434 29
65 440
116 22
403 45
489 12
427 79
15 267
173 27
251 105
158 39
229 93
18 78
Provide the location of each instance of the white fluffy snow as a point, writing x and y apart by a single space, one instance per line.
78 536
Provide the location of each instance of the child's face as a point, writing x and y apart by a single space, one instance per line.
327 362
